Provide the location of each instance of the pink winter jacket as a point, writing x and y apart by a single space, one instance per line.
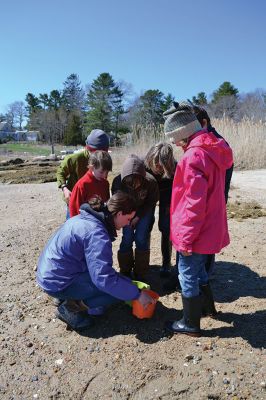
198 210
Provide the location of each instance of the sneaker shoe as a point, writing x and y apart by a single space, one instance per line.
57 302
76 320
96 311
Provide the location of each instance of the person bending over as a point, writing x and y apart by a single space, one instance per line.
76 265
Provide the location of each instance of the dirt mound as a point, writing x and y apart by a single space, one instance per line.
28 172
242 210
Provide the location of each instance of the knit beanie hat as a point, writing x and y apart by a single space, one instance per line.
180 121
98 140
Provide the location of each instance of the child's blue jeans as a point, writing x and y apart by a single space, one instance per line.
140 234
83 289
192 273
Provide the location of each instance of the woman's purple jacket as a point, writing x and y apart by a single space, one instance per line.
82 244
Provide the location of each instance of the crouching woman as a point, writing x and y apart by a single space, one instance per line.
76 265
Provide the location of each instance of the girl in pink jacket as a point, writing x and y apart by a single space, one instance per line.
198 211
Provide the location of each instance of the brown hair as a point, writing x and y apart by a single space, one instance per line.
161 155
96 202
121 201
101 159
201 114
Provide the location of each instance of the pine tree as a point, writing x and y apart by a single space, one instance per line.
33 103
200 99
151 107
73 96
55 100
73 132
105 101
225 101
225 89
167 101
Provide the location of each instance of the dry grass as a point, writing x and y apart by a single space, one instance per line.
247 139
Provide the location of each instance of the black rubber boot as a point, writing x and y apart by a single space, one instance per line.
190 323
166 249
142 262
126 262
172 285
208 306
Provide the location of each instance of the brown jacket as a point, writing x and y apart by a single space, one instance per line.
147 194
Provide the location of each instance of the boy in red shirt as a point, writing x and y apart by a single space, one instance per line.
93 182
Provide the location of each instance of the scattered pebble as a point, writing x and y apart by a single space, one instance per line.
59 361
226 381
263 385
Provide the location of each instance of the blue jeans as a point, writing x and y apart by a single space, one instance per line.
67 213
140 234
83 289
192 273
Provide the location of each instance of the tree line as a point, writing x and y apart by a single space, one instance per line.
68 115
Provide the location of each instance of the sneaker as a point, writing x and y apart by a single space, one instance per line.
76 320
57 302
96 311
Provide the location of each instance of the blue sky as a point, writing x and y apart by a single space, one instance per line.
180 47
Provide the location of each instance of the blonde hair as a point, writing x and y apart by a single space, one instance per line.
161 155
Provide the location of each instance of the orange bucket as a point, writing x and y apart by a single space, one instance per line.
139 311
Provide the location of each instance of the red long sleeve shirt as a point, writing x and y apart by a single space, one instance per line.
85 189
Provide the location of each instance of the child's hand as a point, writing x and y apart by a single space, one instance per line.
186 253
145 299
67 194
134 222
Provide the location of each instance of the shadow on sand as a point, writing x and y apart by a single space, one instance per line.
230 282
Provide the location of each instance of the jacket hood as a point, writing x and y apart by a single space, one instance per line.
133 165
103 215
216 148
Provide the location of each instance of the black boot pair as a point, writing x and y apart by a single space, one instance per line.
193 309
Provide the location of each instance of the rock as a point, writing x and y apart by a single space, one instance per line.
189 357
226 381
34 378
59 361
263 385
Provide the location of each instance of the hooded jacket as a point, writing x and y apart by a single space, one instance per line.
198 210
83 243
147 194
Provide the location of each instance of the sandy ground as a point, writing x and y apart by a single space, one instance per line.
122 357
